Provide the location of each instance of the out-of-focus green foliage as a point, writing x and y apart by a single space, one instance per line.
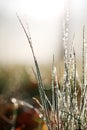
18 81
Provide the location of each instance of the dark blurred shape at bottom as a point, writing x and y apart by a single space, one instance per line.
27 118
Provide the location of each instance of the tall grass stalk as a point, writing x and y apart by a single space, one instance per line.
64 113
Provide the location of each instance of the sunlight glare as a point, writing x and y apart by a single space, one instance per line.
40 9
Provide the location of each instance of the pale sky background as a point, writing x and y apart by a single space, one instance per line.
45 20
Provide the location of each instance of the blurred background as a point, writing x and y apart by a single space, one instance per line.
45 20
